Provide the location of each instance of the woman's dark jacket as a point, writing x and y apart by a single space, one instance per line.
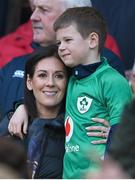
45 146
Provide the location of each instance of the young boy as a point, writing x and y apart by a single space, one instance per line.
95 89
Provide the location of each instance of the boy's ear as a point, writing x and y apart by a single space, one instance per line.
29 83
93 40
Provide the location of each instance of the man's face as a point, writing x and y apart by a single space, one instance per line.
45 12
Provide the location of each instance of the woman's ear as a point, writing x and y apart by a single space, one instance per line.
93 40
29 82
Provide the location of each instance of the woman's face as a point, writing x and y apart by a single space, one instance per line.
48 83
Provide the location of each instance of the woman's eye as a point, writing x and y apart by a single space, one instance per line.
42 75
59 76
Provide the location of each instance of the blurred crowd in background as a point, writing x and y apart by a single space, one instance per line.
118 14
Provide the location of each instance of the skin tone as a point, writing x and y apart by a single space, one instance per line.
45 12
110 169
133 81
68 39
48 85
99 131
132 78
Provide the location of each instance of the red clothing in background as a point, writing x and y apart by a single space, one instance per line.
16 43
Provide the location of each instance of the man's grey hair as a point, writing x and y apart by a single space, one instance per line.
77 3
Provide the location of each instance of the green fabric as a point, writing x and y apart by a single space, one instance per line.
102 94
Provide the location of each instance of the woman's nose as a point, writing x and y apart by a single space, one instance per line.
50 81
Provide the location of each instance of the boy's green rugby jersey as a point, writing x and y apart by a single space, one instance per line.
102 94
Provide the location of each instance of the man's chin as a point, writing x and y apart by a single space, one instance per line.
38 40
42 41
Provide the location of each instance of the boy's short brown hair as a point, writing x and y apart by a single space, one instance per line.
86 19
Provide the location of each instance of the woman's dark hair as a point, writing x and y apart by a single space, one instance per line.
34 58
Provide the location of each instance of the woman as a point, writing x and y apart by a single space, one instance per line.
45 86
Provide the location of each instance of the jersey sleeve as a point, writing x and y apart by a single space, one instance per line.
117 93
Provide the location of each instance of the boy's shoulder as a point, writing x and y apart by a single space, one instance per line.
106 68
106 73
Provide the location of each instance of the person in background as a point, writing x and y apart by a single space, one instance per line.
20 43
132 78
110 169
122 147
13 159
95 89
16 43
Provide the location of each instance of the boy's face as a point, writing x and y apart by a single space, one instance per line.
72 47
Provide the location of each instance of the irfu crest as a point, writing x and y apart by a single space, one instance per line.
83 104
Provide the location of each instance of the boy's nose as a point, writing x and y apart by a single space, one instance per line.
61 46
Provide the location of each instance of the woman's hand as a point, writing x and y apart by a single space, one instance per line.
99 131
19 122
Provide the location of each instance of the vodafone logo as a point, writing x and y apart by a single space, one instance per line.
68 128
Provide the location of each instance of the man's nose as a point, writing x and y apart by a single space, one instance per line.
35 15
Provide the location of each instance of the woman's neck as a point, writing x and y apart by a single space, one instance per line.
48 113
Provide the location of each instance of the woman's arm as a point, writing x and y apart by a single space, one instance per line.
18 123
99 131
